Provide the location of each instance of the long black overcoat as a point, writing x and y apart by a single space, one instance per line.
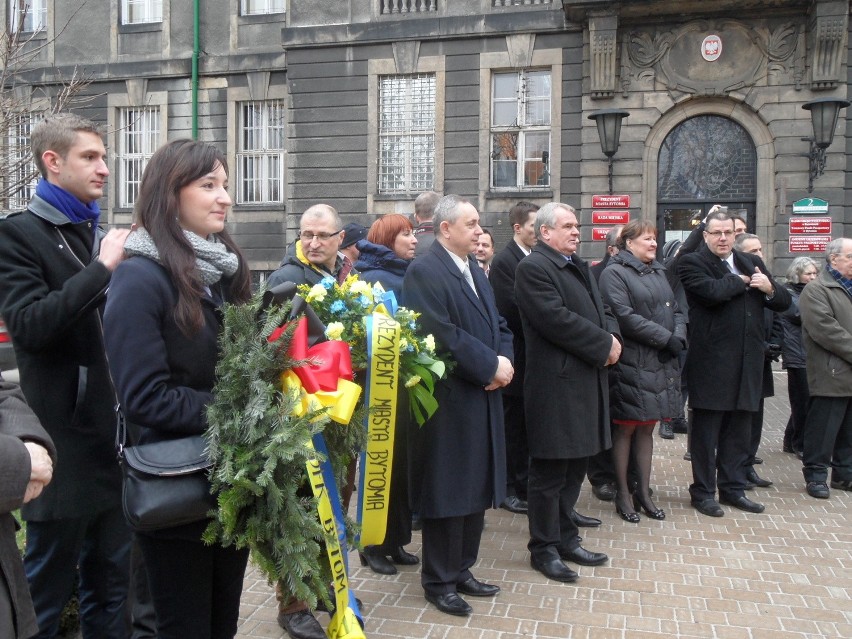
502 279
568 334
459 462
724 363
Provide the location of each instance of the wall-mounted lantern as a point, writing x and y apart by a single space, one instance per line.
824 113
609 132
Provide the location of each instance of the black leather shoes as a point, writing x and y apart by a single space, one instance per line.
404 558
743 503
758 460
450 603
301 625
584 522
554 569
818 489
514 505
666 430
476 588
708 507
604 492
580 555
377 562
842 485
753 478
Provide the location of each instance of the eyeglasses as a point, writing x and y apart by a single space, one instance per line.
718 234
307 236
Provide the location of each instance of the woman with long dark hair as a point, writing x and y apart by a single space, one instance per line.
384 257
645 383
161 325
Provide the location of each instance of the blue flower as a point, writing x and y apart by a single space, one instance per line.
412 325
364 301
328 282
337 307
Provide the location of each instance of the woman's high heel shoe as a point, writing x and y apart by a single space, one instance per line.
404 558
632 518
377 563
658 513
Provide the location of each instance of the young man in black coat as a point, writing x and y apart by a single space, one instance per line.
727 292
55 267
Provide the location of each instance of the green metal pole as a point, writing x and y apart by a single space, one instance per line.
196 48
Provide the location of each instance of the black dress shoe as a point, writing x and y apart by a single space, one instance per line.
301 625
604 492
404 558
753 478
679 425
584 522
743 503
818 489
450 603
842 485
476 588
666 430
758 460
580 555
554 569
514 505
378 563
708 507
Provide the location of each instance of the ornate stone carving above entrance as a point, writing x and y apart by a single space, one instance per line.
751 54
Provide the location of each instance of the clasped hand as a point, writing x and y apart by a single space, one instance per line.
41 470
504 374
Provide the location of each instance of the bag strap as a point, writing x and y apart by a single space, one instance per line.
120 432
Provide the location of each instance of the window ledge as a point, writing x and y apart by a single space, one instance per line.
528 193
262 18
395 197
142 27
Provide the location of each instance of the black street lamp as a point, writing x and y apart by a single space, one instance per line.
609 131
824 114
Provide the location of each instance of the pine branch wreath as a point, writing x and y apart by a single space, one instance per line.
259 450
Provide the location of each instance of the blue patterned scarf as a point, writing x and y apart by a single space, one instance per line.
844 282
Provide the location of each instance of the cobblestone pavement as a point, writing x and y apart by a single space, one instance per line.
786 573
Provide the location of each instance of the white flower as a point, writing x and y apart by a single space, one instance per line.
334 330
316 294
403 343
361 287
429 342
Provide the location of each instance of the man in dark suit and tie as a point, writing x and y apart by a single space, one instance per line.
727 292
502 278
458 462
572 339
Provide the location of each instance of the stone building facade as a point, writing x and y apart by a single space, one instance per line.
365 103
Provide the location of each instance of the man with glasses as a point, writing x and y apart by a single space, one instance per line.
825 305
727 291
316 254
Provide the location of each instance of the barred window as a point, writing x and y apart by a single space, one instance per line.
260 7
19 172
520 130
138 137
28 15
141 11
406 133
260 156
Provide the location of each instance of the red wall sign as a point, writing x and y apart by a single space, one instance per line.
599 232
810 226
610 217
610 201
809 243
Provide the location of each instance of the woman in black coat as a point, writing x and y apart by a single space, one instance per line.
161 324
645 383
801 271
384 258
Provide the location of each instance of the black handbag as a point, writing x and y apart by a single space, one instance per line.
165 483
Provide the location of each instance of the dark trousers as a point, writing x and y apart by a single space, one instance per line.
517 451
196 588
553 490
99 545
601 470
828 439
142 615
798 392
720 440
450 548
755 435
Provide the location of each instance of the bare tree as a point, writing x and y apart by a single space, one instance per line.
23 104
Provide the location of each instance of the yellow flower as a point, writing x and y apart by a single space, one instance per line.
361 287
334 330
429 342
316 294
403 343
414 380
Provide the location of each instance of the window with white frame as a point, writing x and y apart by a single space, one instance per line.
138 136
19 172
27 15
260 152
406 133
260 7
520 129
141 11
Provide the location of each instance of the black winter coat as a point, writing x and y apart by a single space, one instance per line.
51 294
568 333
502 280
724 363
642 388
793 349
379 264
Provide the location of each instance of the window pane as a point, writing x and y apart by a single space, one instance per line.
141 11
537 159
260 154
138 138
505 154
506 86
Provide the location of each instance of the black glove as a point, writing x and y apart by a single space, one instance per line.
772 351
664 356
674 345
